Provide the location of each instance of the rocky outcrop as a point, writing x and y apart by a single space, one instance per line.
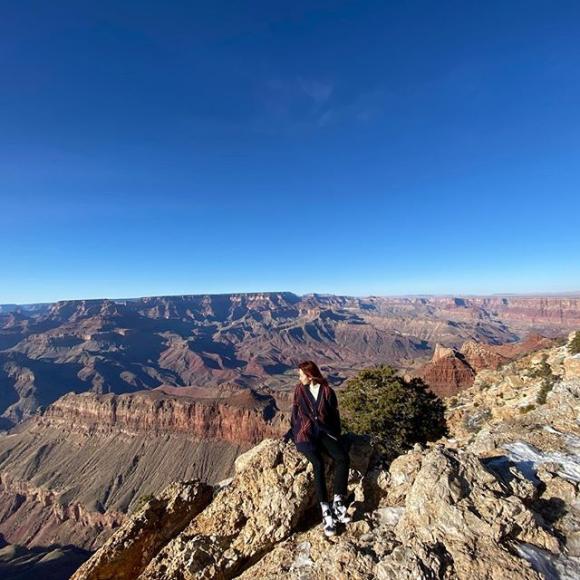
448 372
125 555
270 495
451 371
499 500
519 393
458 520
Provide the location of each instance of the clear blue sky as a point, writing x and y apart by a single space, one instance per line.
337 147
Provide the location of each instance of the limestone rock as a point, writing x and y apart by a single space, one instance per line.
128 551
269 495
461 512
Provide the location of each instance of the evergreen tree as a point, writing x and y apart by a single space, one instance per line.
396 413
574 346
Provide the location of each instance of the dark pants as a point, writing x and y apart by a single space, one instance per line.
341 465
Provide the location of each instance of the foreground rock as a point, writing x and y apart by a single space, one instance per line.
129 550
457 519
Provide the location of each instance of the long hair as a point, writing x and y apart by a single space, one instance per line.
311 370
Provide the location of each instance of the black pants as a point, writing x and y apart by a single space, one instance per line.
341 465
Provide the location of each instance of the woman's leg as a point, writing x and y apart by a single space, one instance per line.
341 462
319 479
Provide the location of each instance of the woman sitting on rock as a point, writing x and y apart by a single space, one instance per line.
315 427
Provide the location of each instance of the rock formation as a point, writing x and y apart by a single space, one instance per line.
448 372
126 554
498 499
451 371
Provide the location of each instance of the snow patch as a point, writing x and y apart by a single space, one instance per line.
302 559
550 566
527 458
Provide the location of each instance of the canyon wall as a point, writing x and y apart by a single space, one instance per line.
73 472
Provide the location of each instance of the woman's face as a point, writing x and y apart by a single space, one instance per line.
303 377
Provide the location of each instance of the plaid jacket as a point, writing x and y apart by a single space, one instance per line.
309 417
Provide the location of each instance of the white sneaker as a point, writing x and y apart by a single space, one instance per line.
340 510
328 522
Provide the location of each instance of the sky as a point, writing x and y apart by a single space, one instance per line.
360 148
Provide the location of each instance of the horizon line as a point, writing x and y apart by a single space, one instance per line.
568 293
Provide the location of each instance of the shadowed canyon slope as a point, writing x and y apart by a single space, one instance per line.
253 339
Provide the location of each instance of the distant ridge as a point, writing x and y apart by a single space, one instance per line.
4 308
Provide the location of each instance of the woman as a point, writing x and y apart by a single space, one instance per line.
314 428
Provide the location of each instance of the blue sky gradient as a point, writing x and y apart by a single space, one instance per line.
337 147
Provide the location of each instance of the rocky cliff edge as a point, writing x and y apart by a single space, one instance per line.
500 499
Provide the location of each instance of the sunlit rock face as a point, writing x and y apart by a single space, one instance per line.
451 371
71 474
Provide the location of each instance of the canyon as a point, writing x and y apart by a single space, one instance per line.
106 403
253 339
71 474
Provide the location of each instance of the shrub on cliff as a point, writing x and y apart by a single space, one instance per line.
574 346
542 370
396 413
141 501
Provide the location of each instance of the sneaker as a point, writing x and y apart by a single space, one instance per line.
340 510
328 522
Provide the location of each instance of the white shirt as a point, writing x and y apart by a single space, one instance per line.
314 388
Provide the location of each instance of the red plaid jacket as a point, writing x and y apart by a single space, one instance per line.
309 418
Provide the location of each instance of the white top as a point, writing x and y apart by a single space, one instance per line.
314 388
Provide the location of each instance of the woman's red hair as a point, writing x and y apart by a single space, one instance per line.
311 370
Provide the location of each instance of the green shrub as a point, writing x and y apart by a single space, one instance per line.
547 386
544 371
574 346
541 370
527 409
141 501
396 413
